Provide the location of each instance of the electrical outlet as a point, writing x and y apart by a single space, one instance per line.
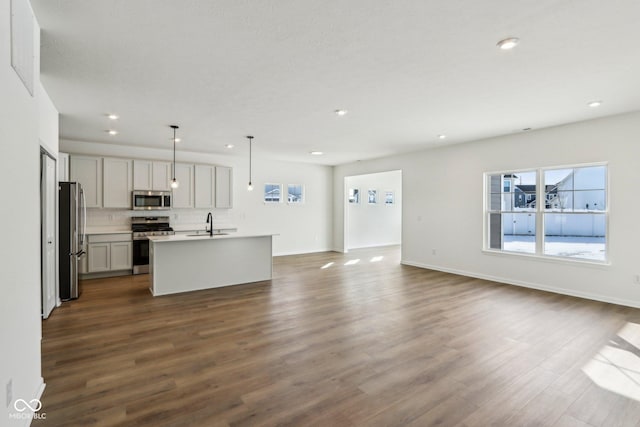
9 393
433 251
636 279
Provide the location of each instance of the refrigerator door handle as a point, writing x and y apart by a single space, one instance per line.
84 219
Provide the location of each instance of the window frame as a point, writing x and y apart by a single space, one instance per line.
303 195
271 202
540 212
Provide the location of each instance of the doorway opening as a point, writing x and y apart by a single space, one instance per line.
373 210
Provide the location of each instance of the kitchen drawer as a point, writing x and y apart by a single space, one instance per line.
107 238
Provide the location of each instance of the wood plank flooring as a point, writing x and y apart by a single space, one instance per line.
372 343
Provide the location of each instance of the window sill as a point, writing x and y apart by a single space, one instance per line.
552 259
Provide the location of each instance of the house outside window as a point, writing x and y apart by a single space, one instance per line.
295 193
272 193
570 223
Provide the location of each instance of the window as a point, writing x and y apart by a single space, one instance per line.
372 196
354 195
295 193
272 193
570 220
575 212
512 219
389 198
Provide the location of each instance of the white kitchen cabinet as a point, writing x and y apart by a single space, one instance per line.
142 174
224 187
118 183
205 180
150 175
161 172
121 257
63 167
99 257
109 252
183 195
88 172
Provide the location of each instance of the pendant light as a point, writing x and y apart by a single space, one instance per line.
174 181
250 186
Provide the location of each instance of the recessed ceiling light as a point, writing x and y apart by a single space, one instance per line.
594 104
508 44
341 112
228 146
112 132
442 136
113 116
316 153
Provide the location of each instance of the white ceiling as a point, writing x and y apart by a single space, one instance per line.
406 70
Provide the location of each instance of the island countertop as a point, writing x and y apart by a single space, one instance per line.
196 237
183 263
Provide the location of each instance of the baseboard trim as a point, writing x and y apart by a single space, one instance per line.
384 245
523 284
314 251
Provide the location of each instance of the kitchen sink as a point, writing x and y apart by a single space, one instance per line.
206 234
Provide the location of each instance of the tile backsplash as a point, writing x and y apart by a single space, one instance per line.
194 219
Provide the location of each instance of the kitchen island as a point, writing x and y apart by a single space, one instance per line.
188 263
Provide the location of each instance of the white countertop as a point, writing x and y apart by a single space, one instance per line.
202 227
187 238
108 231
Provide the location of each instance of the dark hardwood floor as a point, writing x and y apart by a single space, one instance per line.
370 343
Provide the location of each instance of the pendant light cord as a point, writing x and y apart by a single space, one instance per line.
174 153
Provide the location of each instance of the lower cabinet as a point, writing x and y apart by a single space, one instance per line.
109 252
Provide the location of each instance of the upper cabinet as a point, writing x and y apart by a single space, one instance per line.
149 175
118 183
183 195
88 172
205 186
161 176
142 174
109 181
224 187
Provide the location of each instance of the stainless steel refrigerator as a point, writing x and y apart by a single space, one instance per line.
72 229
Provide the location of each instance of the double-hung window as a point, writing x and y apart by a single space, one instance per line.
556 212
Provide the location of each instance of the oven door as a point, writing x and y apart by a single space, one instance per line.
141 255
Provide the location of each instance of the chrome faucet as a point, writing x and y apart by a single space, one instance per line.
210 220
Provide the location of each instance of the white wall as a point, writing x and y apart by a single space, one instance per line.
301 228
20 320
443 202
374 224
47 121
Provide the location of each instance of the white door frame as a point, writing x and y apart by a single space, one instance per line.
49 233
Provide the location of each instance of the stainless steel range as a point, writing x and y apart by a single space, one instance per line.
143 227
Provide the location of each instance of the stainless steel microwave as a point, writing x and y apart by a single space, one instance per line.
151 200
